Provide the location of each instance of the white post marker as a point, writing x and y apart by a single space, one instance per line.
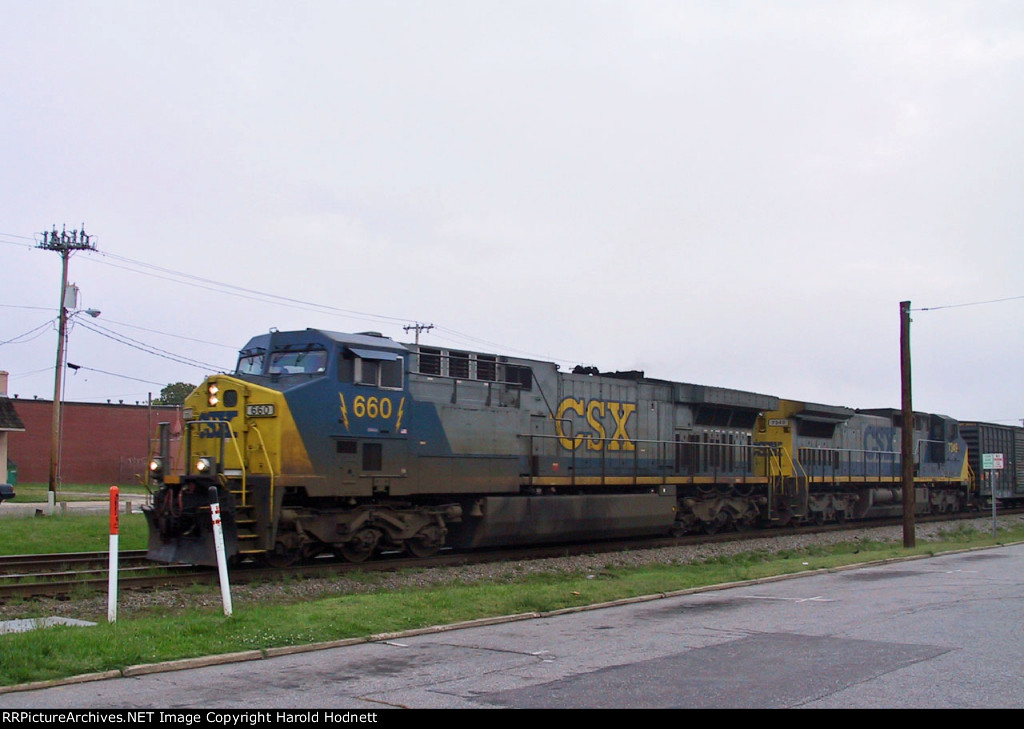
112 567
218 541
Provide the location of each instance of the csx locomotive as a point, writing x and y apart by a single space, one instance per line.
351 444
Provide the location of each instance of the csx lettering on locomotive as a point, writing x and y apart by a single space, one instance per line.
214 423
596 412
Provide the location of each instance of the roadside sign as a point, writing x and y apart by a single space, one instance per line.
992 461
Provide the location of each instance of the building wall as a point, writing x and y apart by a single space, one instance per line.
9 422
100 443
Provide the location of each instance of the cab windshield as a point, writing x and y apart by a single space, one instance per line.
250 364
298 362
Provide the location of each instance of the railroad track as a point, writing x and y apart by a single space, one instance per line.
70 573
35 575
33 563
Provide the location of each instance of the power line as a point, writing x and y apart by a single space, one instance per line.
40 329
247 293
113 374
255 295
33 372
147 348
168 334
19 306
15 243
207 284
972 303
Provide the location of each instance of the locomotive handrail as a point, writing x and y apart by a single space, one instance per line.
796 465
800 476
658 459
833 470
241 464
799 471
222 425
270 468
774 468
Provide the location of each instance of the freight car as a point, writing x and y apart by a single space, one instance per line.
1007 483
350 444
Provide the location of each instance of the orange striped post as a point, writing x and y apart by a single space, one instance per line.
112 569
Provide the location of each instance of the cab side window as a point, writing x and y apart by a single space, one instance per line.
346 368
392 374
383 373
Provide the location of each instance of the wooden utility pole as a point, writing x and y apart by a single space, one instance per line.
419 328
907 447
64 243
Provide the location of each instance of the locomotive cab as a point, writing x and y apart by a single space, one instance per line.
302 444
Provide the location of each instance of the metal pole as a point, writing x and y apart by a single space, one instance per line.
992 490
907 449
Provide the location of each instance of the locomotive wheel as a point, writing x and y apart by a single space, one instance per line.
362 546
280 557
720 522
426 543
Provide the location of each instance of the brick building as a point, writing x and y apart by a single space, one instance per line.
100 443
9 423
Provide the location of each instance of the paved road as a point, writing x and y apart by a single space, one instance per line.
941 632
133 502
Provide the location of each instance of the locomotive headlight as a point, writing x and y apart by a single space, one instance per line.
211 395
205 465
156 467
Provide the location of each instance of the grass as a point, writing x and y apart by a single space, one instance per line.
69 533
156 635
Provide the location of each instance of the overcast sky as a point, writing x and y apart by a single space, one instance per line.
726 193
